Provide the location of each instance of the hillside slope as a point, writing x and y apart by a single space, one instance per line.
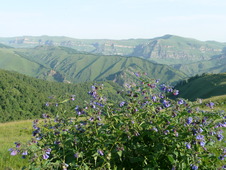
23 97
205 86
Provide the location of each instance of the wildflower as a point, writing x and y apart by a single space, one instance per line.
200 130
202 143
189 120
166 103
188 145
17 144
13 152
91 119
45 156
99 104
200 137
155 129
48 151
221 157
99 118
157 81
100 152
220 137
154 98
45 116
224 167
76 155
122 104
24 153
210 104
194 167
137 74
175 92
181 101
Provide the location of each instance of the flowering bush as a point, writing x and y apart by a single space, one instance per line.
147 130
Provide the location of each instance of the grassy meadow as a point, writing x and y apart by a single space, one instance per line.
19 131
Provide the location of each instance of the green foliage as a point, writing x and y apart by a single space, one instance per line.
23 97
146 131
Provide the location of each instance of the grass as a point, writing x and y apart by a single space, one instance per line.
11 132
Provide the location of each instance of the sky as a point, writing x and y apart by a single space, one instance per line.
114 19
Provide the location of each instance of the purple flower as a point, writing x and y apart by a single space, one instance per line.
137 74
166 103
154 98
224 167
157 81
13 153
91 119
188 145
181 101
202 143
122 104
210 104
155 129
99 104
24 153
200 137
220 137
76 155
200 130
17 144
48 151
221 157
189 120
100 152
45 156
194 167
175 92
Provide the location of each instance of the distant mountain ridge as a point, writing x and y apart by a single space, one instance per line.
185 54
65 64
167 46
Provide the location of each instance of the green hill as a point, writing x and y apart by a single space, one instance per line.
23 97
68 65
204 86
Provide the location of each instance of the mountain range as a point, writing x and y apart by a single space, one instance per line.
65 64
187 55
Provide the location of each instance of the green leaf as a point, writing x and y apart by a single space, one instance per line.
171 159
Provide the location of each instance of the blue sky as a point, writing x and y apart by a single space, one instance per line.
114 19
